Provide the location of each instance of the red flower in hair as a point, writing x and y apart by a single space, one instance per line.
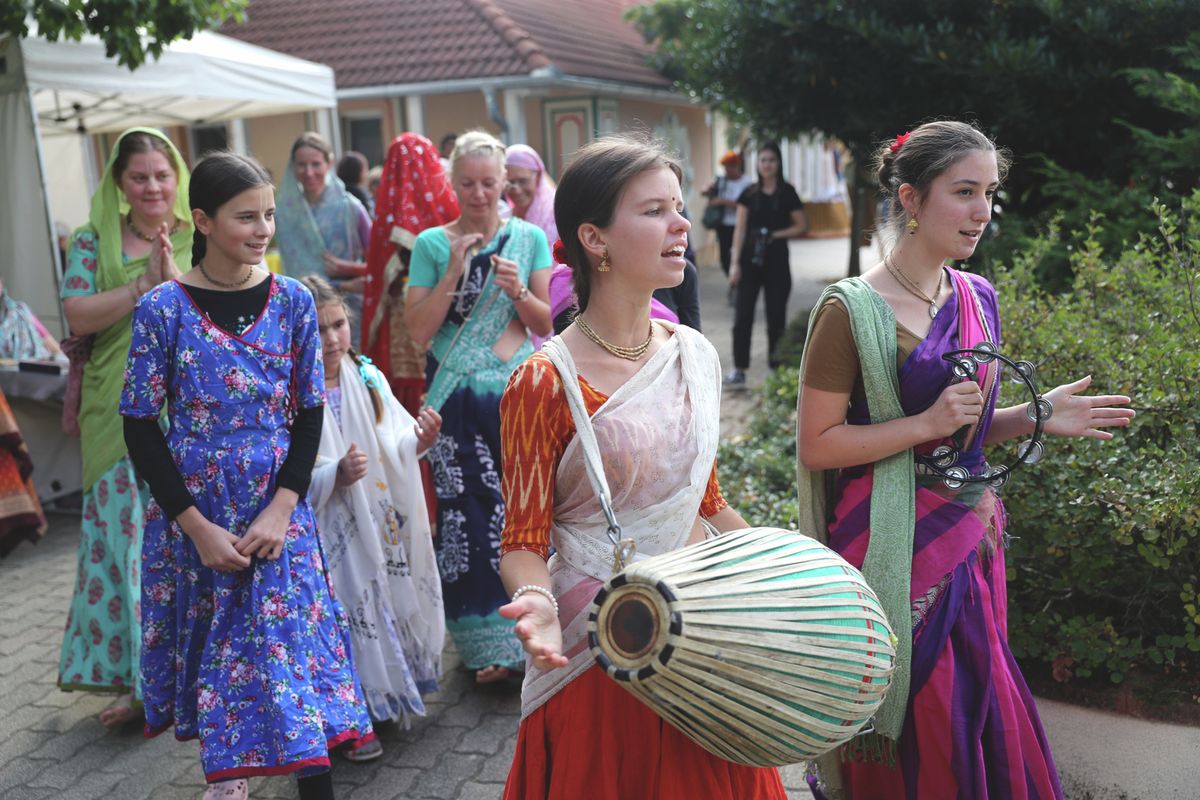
900 140
560 252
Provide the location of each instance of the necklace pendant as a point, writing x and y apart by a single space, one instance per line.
933 311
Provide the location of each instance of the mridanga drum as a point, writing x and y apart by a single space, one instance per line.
761 645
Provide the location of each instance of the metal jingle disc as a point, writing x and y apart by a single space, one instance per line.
964 368
944 456
1041 409
955 477
1026 371
986 352
1030 451
999 477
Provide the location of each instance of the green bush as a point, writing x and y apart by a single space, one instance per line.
1105 573
1103 578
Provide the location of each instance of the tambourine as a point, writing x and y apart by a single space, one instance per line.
943 461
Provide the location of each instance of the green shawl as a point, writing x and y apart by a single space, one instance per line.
887 566
102 439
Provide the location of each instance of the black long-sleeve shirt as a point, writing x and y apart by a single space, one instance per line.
233 311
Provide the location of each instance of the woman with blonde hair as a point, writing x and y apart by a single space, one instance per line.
477 289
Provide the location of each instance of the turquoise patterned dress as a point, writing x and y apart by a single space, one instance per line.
256 662
102 641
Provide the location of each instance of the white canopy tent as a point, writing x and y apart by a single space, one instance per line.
52 94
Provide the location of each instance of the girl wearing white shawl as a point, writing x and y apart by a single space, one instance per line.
636 404
374 525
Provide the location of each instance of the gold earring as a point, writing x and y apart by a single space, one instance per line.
912 226
605 264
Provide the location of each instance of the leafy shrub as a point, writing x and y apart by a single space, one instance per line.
1104 576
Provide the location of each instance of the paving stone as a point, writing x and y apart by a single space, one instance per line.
487 737
16 773
390 784
451 772
480 791
426 752
19 743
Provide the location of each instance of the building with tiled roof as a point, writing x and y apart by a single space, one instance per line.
551 73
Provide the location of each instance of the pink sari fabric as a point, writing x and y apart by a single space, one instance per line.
562 297
972 728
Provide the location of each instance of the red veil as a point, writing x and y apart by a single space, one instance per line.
414 194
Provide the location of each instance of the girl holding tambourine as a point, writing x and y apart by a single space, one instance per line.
877 401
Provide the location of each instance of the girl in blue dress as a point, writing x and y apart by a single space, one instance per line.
243 644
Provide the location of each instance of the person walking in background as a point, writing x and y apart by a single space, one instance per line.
876 396
244 645
322 227
723 193
769 214
615 370
114 259
529 190
353 170
478 287
366 491
414 195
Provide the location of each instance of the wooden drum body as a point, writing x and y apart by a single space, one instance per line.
762 645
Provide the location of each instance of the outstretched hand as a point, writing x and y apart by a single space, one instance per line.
538 629
428 425
1077 414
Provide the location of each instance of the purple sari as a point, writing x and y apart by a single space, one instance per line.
971 729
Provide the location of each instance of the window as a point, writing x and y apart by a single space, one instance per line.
364 134
207 138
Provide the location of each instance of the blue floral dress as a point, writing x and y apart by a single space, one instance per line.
256 663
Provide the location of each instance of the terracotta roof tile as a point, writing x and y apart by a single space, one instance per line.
381 42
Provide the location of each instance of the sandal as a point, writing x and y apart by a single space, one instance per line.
237 789
368 751
123 709
493 674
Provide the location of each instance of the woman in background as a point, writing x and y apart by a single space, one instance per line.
139 217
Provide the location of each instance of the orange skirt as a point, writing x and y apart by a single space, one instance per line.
594 739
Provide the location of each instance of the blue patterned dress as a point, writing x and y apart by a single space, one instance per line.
255 663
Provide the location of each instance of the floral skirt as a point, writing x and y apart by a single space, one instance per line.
103 637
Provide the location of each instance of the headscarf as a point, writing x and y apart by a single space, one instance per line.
19 334
414 194
102 440
305 232
541 208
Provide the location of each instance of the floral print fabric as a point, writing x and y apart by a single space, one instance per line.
256 662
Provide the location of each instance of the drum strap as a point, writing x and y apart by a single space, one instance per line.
624 549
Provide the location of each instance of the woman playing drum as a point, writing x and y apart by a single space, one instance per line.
619 212
959 720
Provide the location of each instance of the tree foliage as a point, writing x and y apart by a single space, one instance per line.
130 29
1045 77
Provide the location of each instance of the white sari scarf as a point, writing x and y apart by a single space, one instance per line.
654 465
376 538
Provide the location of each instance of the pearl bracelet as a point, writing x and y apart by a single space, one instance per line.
542 590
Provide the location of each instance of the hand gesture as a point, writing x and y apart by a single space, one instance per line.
168 270
341 268
538 629
429 423
353 286
351 467
735 274
265 536
959 404
459 246
217 548
1076 414
508 277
